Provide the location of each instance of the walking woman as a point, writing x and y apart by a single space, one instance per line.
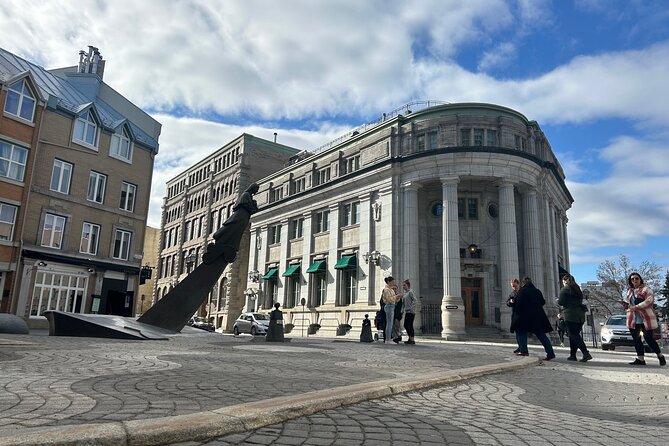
641 318
529 316
573 311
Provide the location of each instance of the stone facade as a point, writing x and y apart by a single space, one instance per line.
198 201
459 198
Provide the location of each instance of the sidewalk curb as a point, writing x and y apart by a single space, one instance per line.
242 417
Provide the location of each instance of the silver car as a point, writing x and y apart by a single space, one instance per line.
614 333
253 323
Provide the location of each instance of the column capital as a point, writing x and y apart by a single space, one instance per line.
506 182
449 180
411 185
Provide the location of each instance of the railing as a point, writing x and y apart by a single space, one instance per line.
430 319
406 108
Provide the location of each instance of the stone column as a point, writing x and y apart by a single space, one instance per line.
552 286
333 254
565 240
411 256
508 247
283 262
532 237
307 240
365 244
452 308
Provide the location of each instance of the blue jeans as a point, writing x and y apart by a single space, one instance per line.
522 342
389 309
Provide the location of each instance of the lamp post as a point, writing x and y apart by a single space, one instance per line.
372 257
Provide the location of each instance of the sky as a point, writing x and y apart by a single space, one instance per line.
593 73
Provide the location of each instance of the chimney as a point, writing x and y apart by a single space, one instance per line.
88 59
96 59
80 66
274 136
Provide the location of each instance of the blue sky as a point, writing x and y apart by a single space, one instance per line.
593 73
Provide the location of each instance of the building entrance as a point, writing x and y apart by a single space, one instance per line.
472 298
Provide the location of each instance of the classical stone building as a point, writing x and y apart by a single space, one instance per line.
85 215
198 201
459 198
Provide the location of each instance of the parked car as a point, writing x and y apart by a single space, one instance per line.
614 333
200 322
253 323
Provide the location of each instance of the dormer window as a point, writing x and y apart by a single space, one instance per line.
86 129
121 145
20 100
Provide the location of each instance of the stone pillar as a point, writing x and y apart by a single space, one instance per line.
333 254
508 247
411 257
365 244
551 276
565 240
307 240
283 262
532 237
452 308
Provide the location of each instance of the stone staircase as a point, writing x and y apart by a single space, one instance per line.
485 333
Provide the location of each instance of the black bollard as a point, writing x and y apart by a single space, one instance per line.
366 334
275 330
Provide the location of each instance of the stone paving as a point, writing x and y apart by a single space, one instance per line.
602 402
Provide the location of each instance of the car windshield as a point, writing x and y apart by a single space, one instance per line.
261 316
617 320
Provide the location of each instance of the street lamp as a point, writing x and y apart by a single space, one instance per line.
251 297
373 257
254 276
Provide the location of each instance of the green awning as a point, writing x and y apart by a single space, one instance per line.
293 270
271 273
347 262
319 266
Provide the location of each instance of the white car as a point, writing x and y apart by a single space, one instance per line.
253 323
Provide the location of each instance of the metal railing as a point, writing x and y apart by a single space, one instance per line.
430 319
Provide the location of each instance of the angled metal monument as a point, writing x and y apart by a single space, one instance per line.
171 313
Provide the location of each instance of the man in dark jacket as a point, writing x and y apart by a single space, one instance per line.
529 316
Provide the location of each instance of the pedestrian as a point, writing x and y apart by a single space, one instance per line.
511 302
409 300
397 320
573 311
388 299
641 317
561 328
529 317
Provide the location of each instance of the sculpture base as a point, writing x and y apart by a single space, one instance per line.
103 326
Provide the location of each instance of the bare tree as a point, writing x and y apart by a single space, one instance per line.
613 275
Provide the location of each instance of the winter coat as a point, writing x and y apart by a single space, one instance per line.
529 313
645 298
573 309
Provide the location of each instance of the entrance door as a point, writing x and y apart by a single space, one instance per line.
473 300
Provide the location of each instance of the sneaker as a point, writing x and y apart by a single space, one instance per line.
637 361
548 358
662 360
410 342
397 340
516 351
522 354
571 358
586 357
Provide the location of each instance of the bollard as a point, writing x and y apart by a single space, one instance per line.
366 334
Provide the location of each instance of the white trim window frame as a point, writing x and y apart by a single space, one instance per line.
128 195
20 100
90 236
275 234
322 221
8 213
121 249
61 176
58 291
86 130
53 231
295 229
351 213
13 160
121 145
97 183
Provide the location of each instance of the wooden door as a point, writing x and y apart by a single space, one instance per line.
472 298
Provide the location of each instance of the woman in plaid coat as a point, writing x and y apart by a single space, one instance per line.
641 317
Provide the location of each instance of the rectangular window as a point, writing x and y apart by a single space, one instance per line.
60 292
516 141
491 138
351 213
323 176
121 245
297 185
90 234
351 164
464 136
478 137
275 194
468 208
12 161
128 193
7 221
121 147
350 284
61 176
295 228
52 232
20 100
274 234
432 140
293 296
96 187
322 221
420 143
86 129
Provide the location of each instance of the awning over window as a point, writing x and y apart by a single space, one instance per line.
347 262
271 273
319 266
293 270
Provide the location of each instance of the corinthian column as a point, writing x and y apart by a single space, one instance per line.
508 246
452 308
